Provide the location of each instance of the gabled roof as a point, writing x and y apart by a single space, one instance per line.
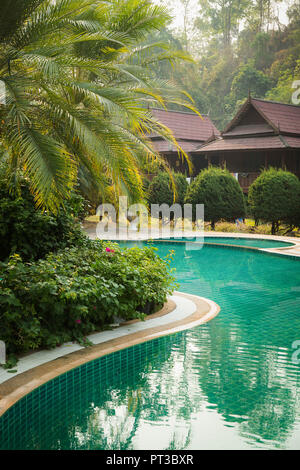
259 125
188 128
281 117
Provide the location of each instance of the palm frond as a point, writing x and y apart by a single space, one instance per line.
80 78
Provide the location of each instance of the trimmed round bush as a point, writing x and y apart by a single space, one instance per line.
161 191
275 197
220 193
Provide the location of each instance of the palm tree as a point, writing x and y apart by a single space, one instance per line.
79 84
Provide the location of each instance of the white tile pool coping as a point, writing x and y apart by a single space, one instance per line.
188 311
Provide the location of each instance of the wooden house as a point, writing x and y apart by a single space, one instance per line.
262 134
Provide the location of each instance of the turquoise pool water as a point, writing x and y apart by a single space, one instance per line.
233 383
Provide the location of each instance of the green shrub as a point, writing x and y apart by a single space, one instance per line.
275 197
25 230
181 187
160 190
76 291
220 193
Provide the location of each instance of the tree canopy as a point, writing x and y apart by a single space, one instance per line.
238 46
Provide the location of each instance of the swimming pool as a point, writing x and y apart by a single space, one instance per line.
231 383
239 241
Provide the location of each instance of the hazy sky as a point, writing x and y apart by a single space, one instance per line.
178 15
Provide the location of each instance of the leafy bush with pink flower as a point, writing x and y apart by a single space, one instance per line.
76 291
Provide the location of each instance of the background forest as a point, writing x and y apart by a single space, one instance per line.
237 46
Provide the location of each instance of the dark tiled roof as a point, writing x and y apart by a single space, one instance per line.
283 116
250 143
279 128
187 126
249 130
162 146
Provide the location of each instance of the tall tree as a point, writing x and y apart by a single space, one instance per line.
222 18
263 14
247 79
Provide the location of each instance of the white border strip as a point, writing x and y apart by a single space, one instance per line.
185 307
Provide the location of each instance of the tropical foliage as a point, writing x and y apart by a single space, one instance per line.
78 79
68 295
32 234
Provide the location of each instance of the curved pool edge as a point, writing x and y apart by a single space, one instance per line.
293 250
201 310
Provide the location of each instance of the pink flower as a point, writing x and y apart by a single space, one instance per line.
109 250
78 320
